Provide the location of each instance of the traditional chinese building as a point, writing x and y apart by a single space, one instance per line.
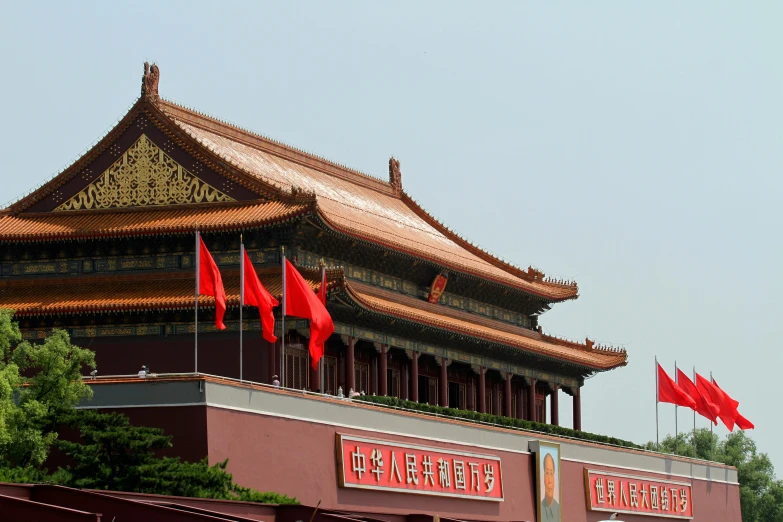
105 250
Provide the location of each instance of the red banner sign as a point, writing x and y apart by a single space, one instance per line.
637 495
391 466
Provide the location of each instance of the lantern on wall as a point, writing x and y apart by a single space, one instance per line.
438 286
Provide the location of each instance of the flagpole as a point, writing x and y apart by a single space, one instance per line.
694 417
657 444
282 323
241 298
198 264
676 434
711 452
321 361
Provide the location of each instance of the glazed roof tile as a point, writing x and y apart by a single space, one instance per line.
172 291
355 204
419 311
350 202
92 223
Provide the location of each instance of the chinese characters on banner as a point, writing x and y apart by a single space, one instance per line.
637 495
391 466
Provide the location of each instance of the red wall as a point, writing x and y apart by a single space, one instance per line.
298 458
218 354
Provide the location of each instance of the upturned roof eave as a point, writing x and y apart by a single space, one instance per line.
160 110
357 301
438 263
309 160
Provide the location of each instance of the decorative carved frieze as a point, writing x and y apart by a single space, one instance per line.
477 363
143 176
440 361
397 284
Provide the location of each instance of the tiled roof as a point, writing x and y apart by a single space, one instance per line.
173 291
419 311
94 223
356 204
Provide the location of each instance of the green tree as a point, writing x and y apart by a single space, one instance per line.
110 453
9 376
761 493
113 454
30 407
706 444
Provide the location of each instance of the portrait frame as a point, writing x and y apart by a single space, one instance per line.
544 449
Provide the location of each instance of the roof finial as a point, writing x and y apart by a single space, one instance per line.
395 176
149 82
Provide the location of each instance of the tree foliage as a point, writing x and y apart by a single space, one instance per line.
761 493
40 386
29 407
499 420
113 454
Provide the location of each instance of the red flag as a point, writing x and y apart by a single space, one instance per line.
210 283
256 295
704 406
322 288
717 398
301 301
742 422
668 391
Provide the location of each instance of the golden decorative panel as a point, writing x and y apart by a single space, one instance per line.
144 176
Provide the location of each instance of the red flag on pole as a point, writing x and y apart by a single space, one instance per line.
717 398
256 295
704 406
741 422
301 301
668 391
210 283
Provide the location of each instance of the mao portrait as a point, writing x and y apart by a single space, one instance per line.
548 482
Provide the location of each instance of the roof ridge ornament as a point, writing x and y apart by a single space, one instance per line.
534 275
395 176
149 82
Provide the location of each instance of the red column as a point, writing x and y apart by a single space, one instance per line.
350 374
404 386
520 403
443 400
415 377
577 409
507 396
315 377
531 399
482 391
384 389
555 405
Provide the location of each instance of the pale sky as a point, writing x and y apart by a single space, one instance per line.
635 148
